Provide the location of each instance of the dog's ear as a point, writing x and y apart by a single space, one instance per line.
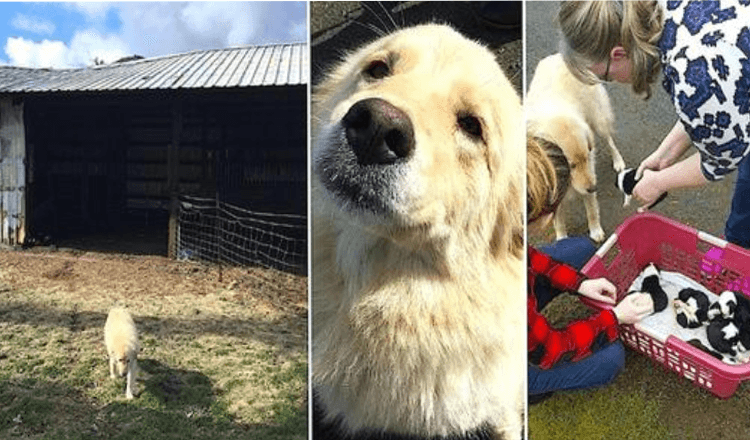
508 164
508 232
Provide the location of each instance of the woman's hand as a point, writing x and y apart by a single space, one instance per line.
633 308
655 161
648 189
683 174
674 145
599 289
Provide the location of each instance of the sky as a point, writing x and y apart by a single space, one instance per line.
70 35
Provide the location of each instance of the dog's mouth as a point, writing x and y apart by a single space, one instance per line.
364 155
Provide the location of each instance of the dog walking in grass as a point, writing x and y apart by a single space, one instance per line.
121 339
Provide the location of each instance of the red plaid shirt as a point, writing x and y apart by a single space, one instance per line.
578 336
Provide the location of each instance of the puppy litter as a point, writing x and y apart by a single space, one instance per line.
720 336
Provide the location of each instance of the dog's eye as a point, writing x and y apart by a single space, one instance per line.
470 125
378 69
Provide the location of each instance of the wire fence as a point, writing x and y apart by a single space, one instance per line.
211 230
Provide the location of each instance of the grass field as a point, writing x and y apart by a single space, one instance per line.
224 350
645 402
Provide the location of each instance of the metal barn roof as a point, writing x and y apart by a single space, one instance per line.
249 66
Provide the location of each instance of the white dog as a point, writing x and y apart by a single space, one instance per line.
562 109
418 277
121 340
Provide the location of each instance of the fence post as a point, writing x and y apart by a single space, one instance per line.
173 202
174 236
217 234
173 178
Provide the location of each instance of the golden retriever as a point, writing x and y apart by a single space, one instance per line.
562 109
417 242
121 340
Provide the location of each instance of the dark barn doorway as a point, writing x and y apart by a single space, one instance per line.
102 169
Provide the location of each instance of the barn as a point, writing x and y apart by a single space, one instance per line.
114 150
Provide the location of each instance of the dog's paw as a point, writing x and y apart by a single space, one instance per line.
618 164
626 202
597 234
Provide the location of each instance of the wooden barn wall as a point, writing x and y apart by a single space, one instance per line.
97 162
12 172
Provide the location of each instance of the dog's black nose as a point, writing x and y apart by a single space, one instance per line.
378 132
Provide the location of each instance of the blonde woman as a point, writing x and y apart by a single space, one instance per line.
702 50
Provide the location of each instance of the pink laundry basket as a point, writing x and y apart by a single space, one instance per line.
650 238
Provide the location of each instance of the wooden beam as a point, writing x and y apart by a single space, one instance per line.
173 178
13 218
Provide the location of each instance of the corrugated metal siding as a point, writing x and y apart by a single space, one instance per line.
12 173
251 66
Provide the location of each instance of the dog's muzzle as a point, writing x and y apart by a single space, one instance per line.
378 132
365 156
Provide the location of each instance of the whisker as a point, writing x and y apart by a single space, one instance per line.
388 14
377 16
371 27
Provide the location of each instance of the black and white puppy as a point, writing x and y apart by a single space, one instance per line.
742 321
727 359
724 307
723 336
626 181
699 345
730 326
652 286
691 307
742 312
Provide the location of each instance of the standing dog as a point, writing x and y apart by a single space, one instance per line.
562 109
121 340
418 276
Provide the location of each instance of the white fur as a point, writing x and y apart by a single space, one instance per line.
121 340
730 331
727 299
418 313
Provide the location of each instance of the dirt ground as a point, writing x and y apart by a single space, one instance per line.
125 276
145 283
